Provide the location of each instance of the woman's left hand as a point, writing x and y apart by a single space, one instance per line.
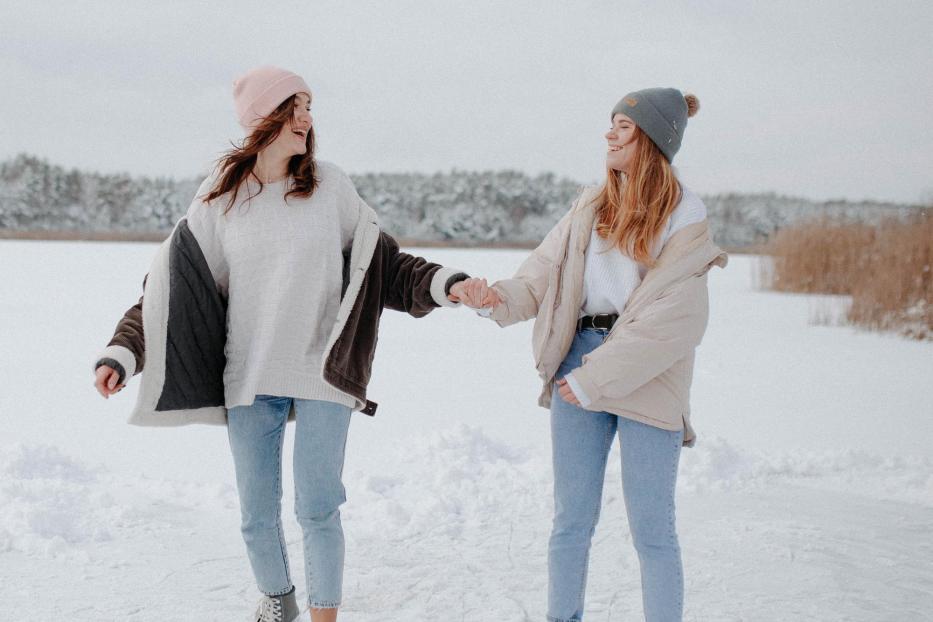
566 393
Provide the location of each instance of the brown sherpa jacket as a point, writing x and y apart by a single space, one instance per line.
178 328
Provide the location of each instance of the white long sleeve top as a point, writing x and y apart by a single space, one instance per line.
610 276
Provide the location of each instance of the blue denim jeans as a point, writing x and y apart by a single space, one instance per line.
580 444
257 434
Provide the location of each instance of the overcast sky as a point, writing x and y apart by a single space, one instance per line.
818 99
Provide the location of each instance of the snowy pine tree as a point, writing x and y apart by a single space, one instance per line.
502 207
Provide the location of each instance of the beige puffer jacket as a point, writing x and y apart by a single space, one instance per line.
644 369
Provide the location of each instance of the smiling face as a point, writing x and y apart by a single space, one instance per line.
292 140
620 141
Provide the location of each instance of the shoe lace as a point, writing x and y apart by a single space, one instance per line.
270 609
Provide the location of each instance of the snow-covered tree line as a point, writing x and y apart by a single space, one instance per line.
502 207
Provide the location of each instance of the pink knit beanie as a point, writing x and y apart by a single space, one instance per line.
260 91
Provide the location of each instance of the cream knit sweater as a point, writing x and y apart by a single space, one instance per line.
281 267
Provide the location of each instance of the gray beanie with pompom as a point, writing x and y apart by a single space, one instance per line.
661 114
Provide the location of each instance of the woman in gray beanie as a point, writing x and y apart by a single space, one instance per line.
618 289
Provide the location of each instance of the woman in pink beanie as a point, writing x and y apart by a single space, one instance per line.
263 306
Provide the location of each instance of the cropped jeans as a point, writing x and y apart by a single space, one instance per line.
581 440
256 435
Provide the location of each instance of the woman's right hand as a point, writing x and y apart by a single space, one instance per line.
105 381
475 293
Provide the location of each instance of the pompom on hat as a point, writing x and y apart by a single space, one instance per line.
259 92
661 113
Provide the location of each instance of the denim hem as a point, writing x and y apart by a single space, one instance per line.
324 604
280 593
553 619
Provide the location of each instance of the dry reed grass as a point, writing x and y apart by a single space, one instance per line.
887 269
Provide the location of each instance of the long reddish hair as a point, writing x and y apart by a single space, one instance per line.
236 165
633 209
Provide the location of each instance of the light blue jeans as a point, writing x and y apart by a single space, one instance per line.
257 434
580 444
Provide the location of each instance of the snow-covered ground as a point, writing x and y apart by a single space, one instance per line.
809 495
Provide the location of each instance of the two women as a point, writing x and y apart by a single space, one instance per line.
260 326
263 306
619 292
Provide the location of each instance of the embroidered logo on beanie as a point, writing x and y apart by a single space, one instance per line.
662 115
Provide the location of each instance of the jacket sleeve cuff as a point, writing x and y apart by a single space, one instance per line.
456 278
589 392
439 286
499 314
578 391
121 356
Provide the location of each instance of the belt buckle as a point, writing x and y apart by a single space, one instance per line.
605 316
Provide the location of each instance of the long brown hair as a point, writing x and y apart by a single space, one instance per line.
632 209
236 165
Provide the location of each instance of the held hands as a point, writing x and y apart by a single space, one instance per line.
105 381
474 293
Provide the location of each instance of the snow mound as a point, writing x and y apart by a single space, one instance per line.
716 465
54 505
43 462
50 501
445 483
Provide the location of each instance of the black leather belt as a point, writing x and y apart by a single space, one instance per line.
602 321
